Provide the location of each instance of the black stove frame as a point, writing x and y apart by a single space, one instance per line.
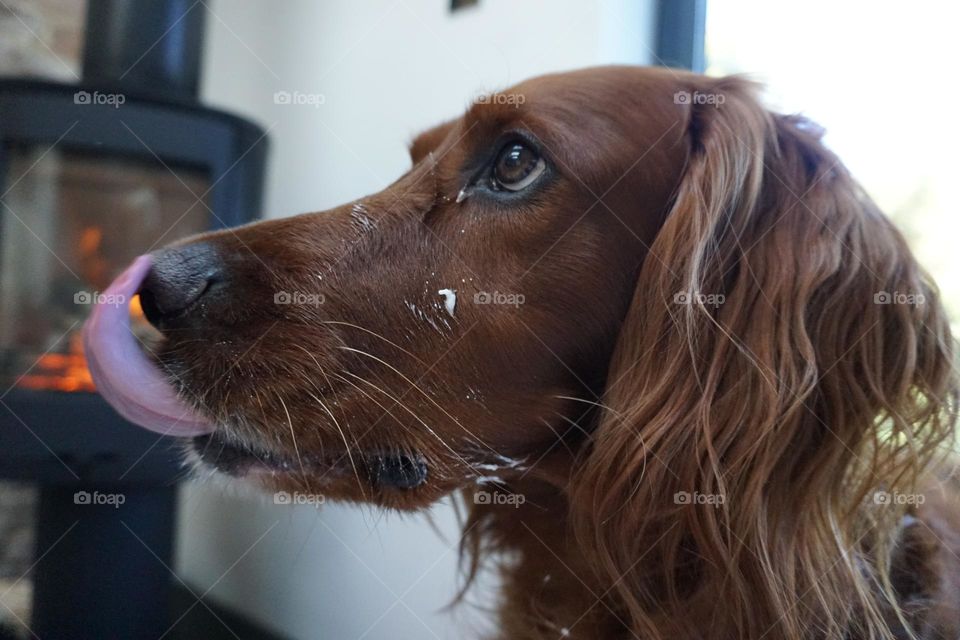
103 571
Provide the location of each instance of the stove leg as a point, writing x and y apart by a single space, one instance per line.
94 578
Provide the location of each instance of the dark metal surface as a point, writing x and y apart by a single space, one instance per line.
102 569
53 437
153 46
681 27
231 149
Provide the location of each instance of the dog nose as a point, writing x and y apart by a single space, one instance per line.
178 280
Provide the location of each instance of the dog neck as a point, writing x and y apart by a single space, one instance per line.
550 590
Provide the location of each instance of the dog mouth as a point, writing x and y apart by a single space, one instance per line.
124 375
142 393
380 470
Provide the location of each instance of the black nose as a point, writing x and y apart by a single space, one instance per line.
177 282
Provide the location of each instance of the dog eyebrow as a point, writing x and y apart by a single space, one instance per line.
478 113
429 140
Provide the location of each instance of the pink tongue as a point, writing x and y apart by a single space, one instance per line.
123 374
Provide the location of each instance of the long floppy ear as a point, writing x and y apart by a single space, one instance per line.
783 359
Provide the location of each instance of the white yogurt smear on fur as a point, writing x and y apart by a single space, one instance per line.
358 213
422 316
449 300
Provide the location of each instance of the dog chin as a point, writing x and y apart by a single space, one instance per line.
395 480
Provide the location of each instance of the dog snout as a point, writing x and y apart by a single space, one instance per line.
180 283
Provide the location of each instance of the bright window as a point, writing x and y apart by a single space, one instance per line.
881 77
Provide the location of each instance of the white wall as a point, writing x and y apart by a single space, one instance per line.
386 69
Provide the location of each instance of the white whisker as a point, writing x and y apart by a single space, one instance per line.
296 448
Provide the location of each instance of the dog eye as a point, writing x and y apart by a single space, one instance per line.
517 166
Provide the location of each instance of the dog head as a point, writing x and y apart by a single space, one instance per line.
445 330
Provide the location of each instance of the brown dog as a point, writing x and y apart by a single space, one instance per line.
690 380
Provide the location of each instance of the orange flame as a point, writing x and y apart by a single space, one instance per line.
67 371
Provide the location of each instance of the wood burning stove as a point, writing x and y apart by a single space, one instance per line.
92 175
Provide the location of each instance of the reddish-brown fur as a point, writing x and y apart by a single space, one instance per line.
794 399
